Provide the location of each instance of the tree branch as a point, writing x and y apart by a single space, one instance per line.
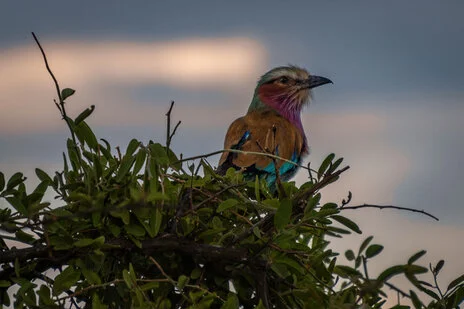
390 207
204 252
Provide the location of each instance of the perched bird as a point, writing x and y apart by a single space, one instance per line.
273 125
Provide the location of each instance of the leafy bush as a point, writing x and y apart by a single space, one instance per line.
144 229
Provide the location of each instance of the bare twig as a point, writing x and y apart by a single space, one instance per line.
347 201
168 130
60 106
162 271
390 207
435 274
243 152
50 71
216 195
169 135
399 291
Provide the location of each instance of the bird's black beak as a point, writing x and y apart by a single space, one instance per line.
316 81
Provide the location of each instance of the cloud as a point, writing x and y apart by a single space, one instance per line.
377 166
99 69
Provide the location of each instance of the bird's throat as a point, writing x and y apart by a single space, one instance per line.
289 109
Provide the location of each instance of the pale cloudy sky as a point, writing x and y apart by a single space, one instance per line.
394 112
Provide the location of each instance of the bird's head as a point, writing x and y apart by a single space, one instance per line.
286 89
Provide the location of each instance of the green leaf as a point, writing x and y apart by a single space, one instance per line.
158 152
231 302
182 281
456 282
5 283
24 237
135 230
39 191
82 116
325 164
415 269
17 204
334 166
416 256
149 286
155 223
85 134
124 215
15 180
281 270
287 260
364 244
91 276
45 299
66 279
346 271
283 214
312 203
373 250
348 223
272 203
415 300
124 168
114 229
132 147
127 278
260 305
229 203
139 160
73 153
66 93
2 181
439 266
196 273
43 176
96 304
349 254
85 242
390 272
458 296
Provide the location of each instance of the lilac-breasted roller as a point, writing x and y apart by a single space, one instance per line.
272 124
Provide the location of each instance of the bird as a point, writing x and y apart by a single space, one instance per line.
272 125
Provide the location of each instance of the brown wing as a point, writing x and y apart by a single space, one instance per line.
268 131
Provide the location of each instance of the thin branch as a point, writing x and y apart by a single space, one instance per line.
174 131
435 274
391 286
243 152
162 271
50 71
321 184
390 207
364 260
163 243
60 106
170 135
214 196
168 125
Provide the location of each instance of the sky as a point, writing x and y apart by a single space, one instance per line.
394 111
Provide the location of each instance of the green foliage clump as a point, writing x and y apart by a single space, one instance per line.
143 229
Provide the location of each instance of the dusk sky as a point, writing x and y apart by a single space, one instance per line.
395 111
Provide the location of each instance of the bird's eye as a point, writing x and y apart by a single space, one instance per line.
284 80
